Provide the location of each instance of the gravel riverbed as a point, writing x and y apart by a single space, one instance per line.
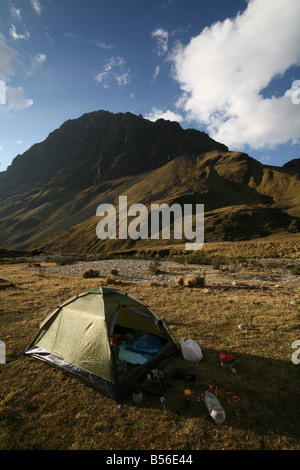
263 272
128 270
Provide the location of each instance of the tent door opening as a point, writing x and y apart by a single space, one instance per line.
135 339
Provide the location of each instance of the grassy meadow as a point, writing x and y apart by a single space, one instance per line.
248 309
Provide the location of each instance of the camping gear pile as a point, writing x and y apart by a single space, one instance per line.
117 345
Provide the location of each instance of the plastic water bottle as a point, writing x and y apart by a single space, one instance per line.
214 407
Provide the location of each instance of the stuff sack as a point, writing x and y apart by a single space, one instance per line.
191 351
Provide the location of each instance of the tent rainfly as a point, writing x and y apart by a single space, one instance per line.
105 338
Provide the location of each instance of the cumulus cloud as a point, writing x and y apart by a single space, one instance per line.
161 38
114 69
12 98
15 99
223 71
168 115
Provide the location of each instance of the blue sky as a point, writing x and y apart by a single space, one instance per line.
230 68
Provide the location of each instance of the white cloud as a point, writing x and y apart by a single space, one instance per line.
114 69
123 78
265 159
156 72
36 6
165 5
8 59
161 37
2 92
168 115
71 35
101 44
15 99
36 62
107 70
40 58
19 142
16 12
15 35
223 71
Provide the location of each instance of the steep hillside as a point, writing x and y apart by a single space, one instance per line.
240 201
49 195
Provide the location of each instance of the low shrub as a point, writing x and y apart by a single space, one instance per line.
154 267
200 279
114 272
90 273
295 269
193 280
110 279
190 281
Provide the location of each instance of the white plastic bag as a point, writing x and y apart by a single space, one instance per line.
191 351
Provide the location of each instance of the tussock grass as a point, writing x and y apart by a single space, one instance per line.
110 279
295 270
154 267
114 271
192 280
41 408
200 279
90 273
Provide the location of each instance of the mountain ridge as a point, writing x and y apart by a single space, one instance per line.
135 143
49 195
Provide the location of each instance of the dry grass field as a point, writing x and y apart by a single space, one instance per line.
248 309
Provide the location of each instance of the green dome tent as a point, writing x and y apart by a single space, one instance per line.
106 338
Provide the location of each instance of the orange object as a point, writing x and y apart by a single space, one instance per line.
187 393
236 398
231 397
